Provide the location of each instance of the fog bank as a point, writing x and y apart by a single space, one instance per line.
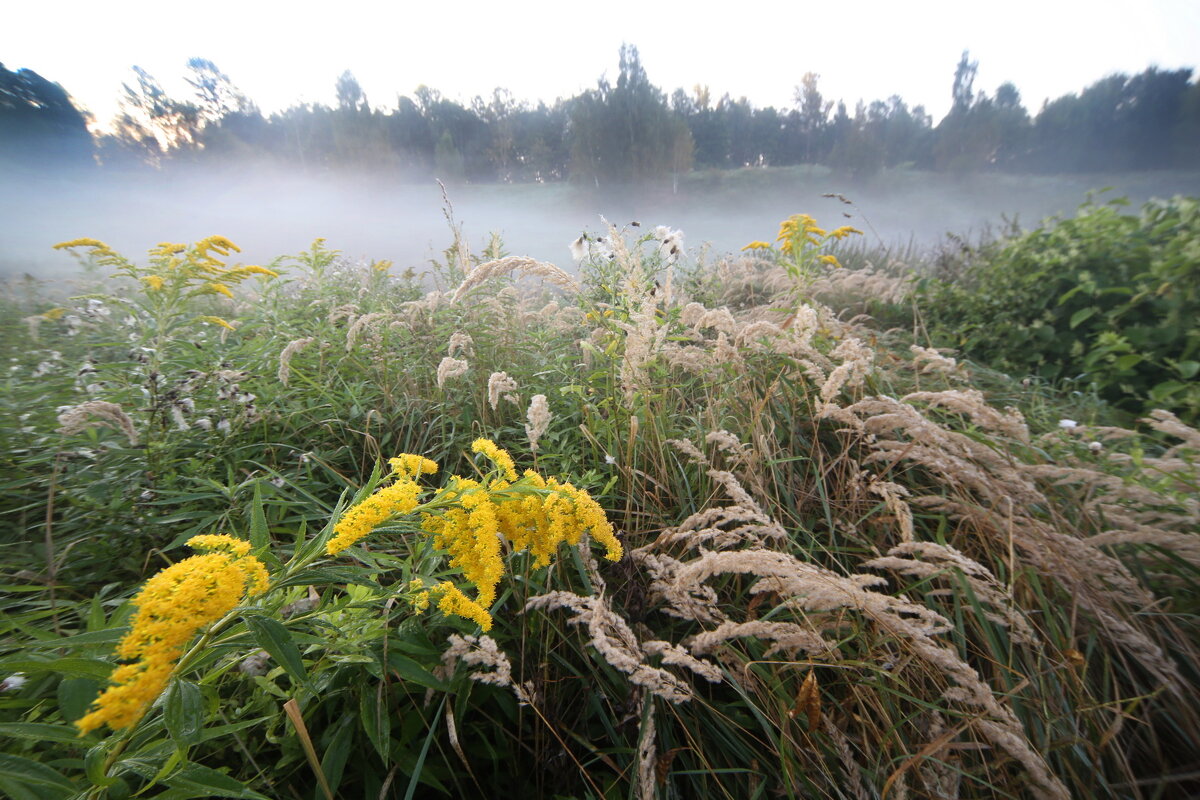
270 214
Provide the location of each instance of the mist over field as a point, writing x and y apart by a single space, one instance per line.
270 213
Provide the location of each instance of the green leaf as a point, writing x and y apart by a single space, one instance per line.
376 720
75 695
93 765
1188 369
183 712
333 763
413 672
41 732
1082 315
1128 361
30 773
260 538
217 731
75 667
198 781
107 636
271 636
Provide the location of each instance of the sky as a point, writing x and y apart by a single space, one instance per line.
282 53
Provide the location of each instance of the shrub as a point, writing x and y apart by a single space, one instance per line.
1108 297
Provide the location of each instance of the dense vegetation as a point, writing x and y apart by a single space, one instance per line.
1108 300
853 566
622 130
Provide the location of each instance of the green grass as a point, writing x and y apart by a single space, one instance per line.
1100 696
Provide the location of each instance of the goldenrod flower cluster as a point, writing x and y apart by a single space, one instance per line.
469 519
799 229
358 521
801 239
177 270
412 466
500 458
173 605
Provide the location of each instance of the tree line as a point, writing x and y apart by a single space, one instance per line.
616 133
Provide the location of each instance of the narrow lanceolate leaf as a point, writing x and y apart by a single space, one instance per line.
26 772
41 732
199 781
273 637
184 713
74 667
259 536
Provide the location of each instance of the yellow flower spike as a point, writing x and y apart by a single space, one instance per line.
95 244
54 314
216 321
172 607
757 245
359 521
497 456
244 272
154 282
221 542
412 466
454 602
830 260
220 288
844 231
218 243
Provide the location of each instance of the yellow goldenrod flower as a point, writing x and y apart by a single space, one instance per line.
216 321
844 231
358 521
95 244
830 260
757 245
172 607
454 602
220 542
412 466
497 456
420 598
469 520
245 272
54 314
220 288
218 243
381 266
153 281
168 249
468 534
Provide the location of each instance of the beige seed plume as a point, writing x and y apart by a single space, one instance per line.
500 385
95 414
462 343
502 266
286 355
450 368
539 420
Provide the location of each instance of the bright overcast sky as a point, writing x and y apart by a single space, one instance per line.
281 53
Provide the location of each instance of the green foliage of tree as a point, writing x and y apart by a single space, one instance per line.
39 123
1108 299
620 132
627 132
980 132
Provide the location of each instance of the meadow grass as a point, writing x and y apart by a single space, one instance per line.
853 566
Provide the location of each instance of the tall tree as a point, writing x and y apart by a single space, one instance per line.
813 120
626 132
39 125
